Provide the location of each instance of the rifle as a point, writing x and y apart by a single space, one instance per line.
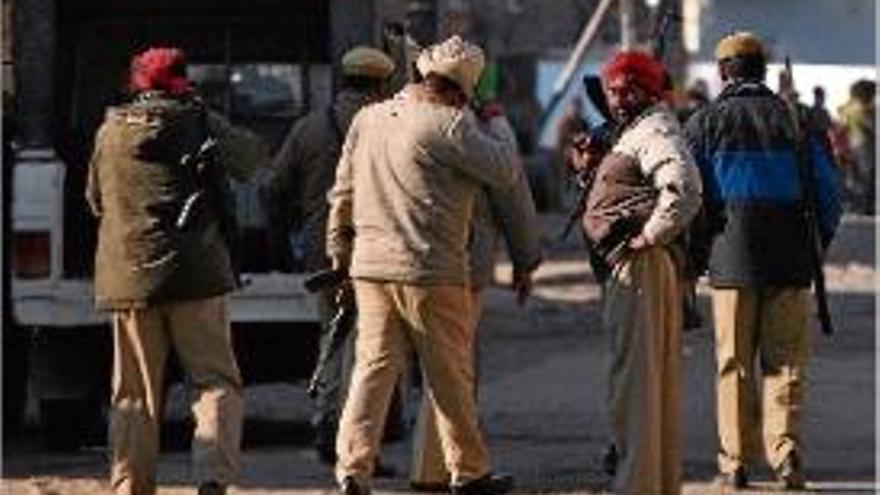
597 141
340 325
210 192
805 175
340 328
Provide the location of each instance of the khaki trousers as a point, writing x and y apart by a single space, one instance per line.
199 333
769 324
643 314
426 466
435 320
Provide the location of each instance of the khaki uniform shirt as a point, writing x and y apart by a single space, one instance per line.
405 189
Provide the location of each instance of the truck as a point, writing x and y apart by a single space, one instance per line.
262 63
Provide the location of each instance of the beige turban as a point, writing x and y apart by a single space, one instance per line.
456 59
368 62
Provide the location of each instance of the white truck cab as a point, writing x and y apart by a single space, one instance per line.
262 64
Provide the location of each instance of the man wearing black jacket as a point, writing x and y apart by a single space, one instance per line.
755 241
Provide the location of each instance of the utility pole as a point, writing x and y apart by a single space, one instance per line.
627 25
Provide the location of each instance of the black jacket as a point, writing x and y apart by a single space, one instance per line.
753 230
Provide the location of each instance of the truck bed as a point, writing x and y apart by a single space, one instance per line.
270 297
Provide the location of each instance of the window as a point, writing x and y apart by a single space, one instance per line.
266 98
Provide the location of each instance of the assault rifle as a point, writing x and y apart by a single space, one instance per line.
806 176
210 192
340 325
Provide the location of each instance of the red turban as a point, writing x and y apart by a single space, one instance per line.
641 68
159 69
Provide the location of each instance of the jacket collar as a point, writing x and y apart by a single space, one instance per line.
745 87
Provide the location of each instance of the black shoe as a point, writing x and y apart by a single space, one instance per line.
211 488
491 484
738 479
790 473
610 459
350 486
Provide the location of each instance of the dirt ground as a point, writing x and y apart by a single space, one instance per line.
544 368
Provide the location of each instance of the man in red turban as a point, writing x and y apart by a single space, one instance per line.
645 192
159 69
633 81
164 267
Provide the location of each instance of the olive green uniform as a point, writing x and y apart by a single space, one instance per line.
166 285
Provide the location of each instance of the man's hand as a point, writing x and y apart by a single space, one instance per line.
639 243
344 296
490 110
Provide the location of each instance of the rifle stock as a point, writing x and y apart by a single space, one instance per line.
805 174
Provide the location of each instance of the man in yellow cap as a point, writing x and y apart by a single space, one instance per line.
754 241
414 165
303 172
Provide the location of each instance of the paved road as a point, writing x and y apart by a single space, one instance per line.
544 369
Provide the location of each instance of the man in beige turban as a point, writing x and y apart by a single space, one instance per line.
405 247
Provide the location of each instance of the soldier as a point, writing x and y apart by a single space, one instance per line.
645 192
157 185
511 213
304 170
756 244
414 166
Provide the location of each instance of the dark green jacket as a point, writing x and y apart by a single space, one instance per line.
137 188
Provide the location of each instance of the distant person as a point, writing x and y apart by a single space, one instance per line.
572 123
821 118
163 268
303 173
695 98
753 240
645 192
857 116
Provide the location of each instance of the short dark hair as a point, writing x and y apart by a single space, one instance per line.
752 67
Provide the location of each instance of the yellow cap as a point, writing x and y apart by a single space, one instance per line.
739 44
369 62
